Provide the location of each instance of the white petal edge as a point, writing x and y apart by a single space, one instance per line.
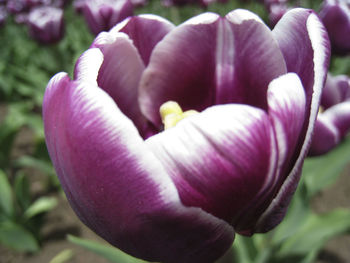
313 26
238 16
206 18
88 65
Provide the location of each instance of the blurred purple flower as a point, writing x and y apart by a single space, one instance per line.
184 2
180 194
17 6
46 24
333 122
276 11
102 15
3 15
335 15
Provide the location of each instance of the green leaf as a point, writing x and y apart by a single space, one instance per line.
6 198
41 205
63 256
21 189
245 249
17 237
29 161
111 253
315 232
296 215
320 172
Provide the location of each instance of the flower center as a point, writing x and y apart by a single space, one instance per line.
171 113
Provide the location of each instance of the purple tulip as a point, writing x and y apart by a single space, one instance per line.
3 15
332 124
102 15
228 162
276 11
17 6
203 3
335 15
46 24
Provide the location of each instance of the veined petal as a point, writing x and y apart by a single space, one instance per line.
145 31
119 74
182 68
116 185
305 45
336 90
339 115
247 59
326 136
286 98
222 160
88 65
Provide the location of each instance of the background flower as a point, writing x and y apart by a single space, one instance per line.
333 121
336 17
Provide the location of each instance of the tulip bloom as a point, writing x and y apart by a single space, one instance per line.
238 102
102 15
46 24
335 15
333 121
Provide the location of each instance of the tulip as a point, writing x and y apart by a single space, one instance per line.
203 3
333 121
102 15
169 140
276 11
335 15
3 15
46 24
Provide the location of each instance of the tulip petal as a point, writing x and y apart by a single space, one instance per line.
145 31
218 70
247 59
325 138
331 126
305 45
336 90
180 69
116 185
222 160
118 74
339 115
88 65
286 98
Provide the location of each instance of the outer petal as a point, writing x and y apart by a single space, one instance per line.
222 160
213 61
331 127
118 73
339 115
305 46
326 136
116 185
286 98
336 90
145 31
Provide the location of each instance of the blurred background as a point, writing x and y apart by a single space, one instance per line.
39 38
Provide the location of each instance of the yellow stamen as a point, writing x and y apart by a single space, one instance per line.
320 109
171 113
